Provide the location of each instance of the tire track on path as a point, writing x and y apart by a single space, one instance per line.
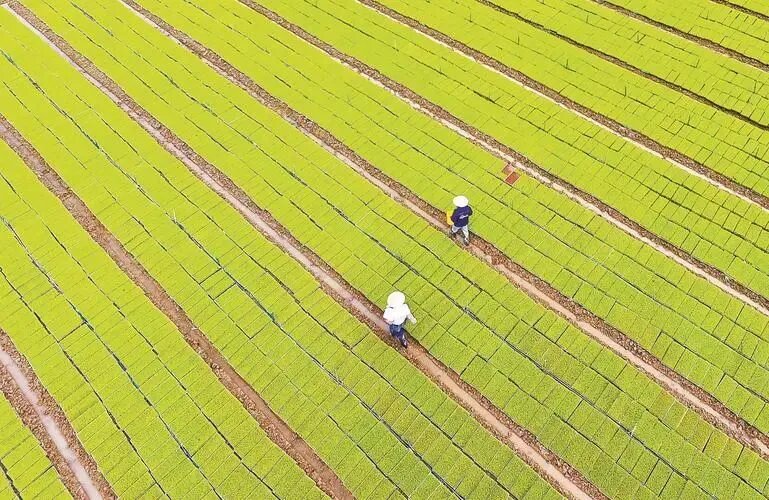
687 393
561 475
277 430
42 415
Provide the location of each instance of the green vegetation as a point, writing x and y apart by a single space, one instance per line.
579 399
718 228
366 411
644 294
712 21
154 416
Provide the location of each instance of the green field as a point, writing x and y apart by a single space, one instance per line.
205 206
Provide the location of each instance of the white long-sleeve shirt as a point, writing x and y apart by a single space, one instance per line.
398 315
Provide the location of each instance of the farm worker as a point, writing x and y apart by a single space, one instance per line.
396 314
460 218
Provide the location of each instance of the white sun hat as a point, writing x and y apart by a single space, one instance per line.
461 201
396 299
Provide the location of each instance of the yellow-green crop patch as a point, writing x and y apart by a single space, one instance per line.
735 30
155 418
582 401
144 404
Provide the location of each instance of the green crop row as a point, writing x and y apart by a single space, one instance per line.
578 398
716 139
25 470
721 79
147 408
718 228
712 21
691 325
374 418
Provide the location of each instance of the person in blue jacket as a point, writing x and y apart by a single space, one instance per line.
460 218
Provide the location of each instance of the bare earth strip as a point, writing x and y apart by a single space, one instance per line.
688 36
278 431
686 392
630 67
561 475
40 413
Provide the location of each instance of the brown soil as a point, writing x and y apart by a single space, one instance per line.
626 65
688 36
278 431
560 474
75 466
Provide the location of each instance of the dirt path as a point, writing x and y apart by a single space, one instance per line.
743 9
560 474
42 415
278 431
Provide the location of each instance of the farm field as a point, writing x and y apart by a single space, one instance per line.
206 207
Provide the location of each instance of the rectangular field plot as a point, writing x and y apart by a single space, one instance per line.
617 427
177 192
25 470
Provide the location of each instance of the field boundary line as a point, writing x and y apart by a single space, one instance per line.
40 413
610 125
491 418
276 429
743 9
568 481
706 271
710 44
630 67
685 391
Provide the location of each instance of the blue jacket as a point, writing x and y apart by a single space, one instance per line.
461 216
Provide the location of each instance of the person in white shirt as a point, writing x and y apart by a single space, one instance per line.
396 314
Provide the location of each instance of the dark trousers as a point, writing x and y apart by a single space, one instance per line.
398 332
